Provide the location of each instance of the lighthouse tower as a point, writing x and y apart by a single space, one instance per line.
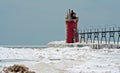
71 27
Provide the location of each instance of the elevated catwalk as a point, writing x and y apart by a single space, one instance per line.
105 38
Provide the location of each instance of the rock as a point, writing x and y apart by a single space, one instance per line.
17 69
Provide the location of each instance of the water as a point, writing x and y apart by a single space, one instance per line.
24 46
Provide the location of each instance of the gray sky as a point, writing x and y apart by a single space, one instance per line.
37 22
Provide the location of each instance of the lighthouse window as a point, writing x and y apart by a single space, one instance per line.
73 15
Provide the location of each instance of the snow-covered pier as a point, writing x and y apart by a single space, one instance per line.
94 45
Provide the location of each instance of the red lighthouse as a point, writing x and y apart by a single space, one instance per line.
71 27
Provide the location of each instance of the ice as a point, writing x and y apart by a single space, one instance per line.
66 59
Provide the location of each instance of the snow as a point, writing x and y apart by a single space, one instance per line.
65 59
14 53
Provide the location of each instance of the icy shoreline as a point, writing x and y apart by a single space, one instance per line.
64 59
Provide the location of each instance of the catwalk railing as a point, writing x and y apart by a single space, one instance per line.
100 34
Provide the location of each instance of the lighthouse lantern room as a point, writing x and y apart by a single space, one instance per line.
71 27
